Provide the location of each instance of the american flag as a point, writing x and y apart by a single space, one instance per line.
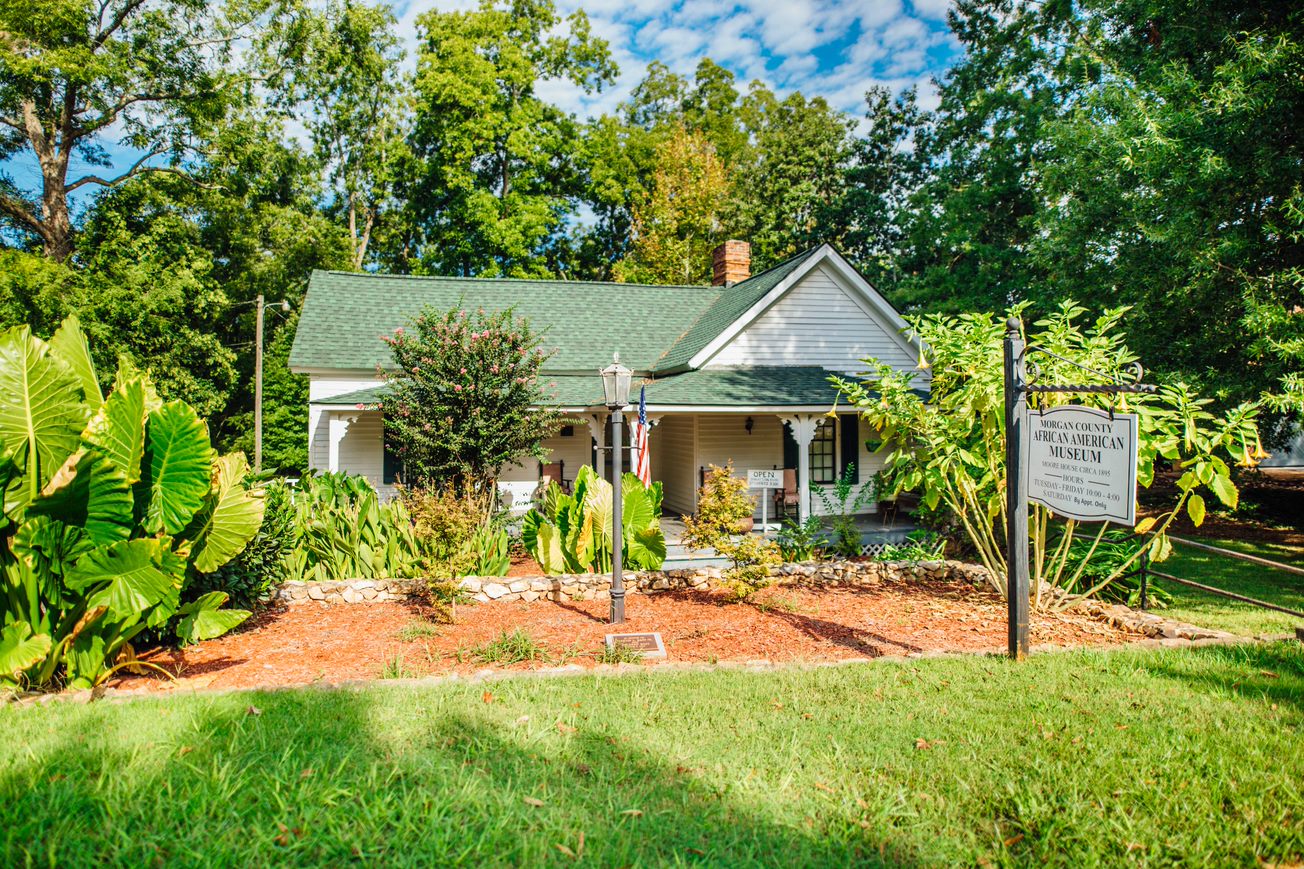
641 462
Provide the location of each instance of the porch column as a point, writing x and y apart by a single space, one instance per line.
598 431
338 427
803 427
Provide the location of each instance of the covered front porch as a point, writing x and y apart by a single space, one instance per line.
766 417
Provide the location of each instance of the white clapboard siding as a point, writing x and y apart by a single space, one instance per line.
325 386
575 451
722 438
818 322
674 462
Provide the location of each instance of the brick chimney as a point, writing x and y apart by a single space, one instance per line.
731 262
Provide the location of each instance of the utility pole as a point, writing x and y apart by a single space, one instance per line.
258 384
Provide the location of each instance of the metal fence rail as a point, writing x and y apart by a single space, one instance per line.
1147 571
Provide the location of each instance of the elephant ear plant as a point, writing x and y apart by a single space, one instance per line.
111 506
572 533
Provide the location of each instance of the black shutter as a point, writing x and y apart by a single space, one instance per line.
789 447
849 426
392 467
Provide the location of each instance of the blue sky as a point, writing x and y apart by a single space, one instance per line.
820 47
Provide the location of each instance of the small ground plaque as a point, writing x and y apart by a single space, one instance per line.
648 645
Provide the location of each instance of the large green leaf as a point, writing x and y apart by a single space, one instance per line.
232 520
126 577
646 548
20 649
118 429
42 413
68 345
91 492
202 619
548 552
177 464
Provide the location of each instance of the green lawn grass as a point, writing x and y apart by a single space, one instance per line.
1212 611
1155 757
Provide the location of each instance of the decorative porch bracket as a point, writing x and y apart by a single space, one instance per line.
803 427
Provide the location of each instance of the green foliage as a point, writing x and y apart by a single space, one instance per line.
950 446
1108 152
843 502
618 653
342 531
1110 558
919 546
677 223
454 535
112 507
496 171
723 504
514 648
801 541
572 533
252 577
492 551
465 399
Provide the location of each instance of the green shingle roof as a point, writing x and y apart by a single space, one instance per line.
776 386
726 309
766 386
345 315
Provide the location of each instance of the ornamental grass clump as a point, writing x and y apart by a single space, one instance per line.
723 506
113 506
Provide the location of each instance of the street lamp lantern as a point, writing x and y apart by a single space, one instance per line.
615 384
615 389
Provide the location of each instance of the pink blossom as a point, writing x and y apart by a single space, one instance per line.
457 387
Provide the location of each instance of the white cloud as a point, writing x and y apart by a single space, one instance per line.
830 48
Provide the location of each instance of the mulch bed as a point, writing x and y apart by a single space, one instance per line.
311 643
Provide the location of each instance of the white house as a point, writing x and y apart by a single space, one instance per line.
734 371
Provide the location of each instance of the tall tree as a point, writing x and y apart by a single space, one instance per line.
347 85
497 172
680 220
789 187
73 73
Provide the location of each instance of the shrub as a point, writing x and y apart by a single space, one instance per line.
722 505
801 541
950 446
112 507
842 504
446 524
572 533
465 399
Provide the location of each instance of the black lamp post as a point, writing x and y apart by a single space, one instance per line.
615 390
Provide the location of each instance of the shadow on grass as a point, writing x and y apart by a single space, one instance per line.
334 777
1273 672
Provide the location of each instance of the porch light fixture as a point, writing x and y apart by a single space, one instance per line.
615 384
615 388
749 424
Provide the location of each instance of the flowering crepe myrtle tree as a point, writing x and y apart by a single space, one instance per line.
465 398
950 446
